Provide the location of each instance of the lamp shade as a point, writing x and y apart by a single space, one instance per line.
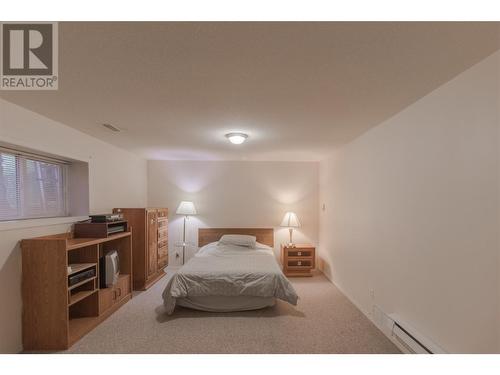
186 208
290 220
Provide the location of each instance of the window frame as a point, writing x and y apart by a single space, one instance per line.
64 168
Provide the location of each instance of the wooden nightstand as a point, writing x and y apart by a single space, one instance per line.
298 260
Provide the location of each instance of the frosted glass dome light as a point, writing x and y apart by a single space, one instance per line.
237 138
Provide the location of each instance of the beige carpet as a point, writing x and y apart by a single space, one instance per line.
324 321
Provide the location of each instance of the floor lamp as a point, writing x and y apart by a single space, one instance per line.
187 209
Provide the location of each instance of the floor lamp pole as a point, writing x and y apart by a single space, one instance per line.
184 240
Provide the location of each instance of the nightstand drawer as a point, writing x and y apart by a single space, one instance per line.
303 263
299 253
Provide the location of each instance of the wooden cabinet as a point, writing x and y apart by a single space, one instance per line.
152 251
298 260
56 312
162 249
114 295
150 244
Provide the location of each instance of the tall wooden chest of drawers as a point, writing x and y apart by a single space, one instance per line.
149 244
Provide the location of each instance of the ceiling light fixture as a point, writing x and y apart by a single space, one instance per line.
237 138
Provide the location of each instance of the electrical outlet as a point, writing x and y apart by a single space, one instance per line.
372 294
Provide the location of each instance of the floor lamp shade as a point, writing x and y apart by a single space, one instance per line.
185 208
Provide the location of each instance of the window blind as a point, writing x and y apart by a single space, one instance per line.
31 187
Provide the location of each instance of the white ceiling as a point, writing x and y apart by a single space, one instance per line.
298 89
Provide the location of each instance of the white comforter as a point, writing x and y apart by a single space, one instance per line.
228 270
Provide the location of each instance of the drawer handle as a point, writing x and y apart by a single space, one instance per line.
299 253
299 263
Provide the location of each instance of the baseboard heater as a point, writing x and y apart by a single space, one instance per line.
407 338
410 340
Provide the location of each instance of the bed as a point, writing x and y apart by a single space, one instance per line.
228 277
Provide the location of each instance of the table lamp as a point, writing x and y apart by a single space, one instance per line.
290 220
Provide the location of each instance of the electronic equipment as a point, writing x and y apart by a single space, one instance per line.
119 227
81 276
109 269
106 218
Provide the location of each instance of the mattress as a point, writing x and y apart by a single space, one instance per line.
229 278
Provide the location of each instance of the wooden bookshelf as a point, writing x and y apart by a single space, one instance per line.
56 315
77 297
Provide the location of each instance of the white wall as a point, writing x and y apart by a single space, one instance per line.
498 200
236 194
116 178
412 212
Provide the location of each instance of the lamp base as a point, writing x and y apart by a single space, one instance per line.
290 243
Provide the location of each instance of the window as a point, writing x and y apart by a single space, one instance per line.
31 187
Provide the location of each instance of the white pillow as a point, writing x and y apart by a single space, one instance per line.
238 240
259 245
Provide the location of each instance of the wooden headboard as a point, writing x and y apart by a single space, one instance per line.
208 235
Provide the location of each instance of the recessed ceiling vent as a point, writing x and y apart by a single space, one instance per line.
111 127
